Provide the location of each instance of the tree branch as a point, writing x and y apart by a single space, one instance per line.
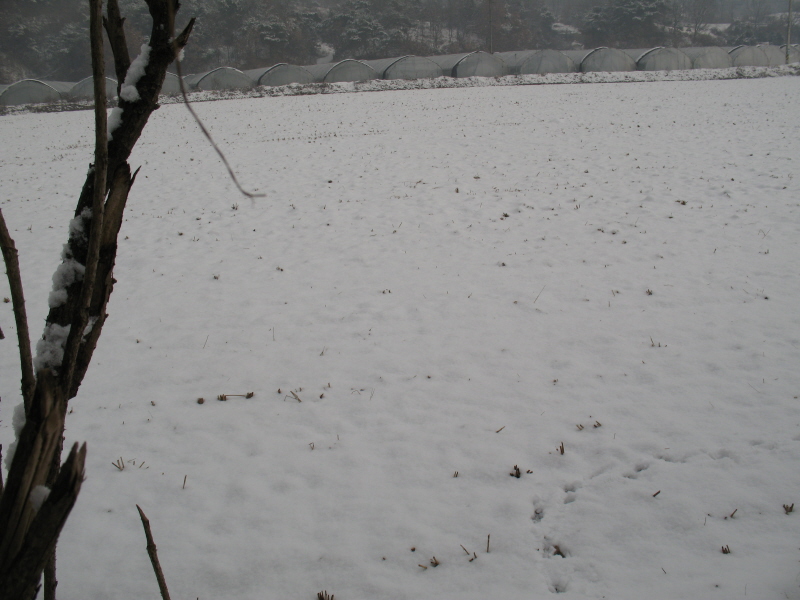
119 45
153 554
133 114
11 258
81 315
19 578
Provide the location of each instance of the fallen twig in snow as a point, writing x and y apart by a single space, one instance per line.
153 553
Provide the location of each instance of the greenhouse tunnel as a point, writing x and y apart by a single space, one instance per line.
794 53
708 57
84 89
537 62
348 70
748 56
280 74
33 91
601 59
775 55
471 64
405 67
660 59
172 85
223 78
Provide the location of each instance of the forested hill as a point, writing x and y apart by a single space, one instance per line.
48 39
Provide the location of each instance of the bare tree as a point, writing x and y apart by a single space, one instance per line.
40 492
698 15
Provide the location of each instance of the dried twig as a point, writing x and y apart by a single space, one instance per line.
224 397
202 127
788 508
153 553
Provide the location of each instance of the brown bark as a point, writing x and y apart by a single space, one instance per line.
116 38
28 537
135 114
10 256
152 552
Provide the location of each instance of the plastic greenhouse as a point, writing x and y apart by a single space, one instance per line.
537 62
223 78
33 91
748 56
405 67
472 64
601 59
172 85
280 74
708 57
794 53
776 55
660 59
346 70
84 89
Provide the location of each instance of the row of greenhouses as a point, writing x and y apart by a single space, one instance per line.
35 91
472 64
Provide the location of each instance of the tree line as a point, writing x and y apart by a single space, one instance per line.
46 39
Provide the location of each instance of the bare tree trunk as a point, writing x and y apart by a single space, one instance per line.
39 493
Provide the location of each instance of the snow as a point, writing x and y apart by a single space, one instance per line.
643 286
50 348
114 121
67 273
70 270
128 91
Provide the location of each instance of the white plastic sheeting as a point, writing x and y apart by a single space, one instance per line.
660 59
33 91
708 57
537 62
601 59
471 64
775 54
794 52
343 71
405 67
84 89
748 56
223 78
172 85
280 74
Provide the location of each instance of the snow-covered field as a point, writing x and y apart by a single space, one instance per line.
598 284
